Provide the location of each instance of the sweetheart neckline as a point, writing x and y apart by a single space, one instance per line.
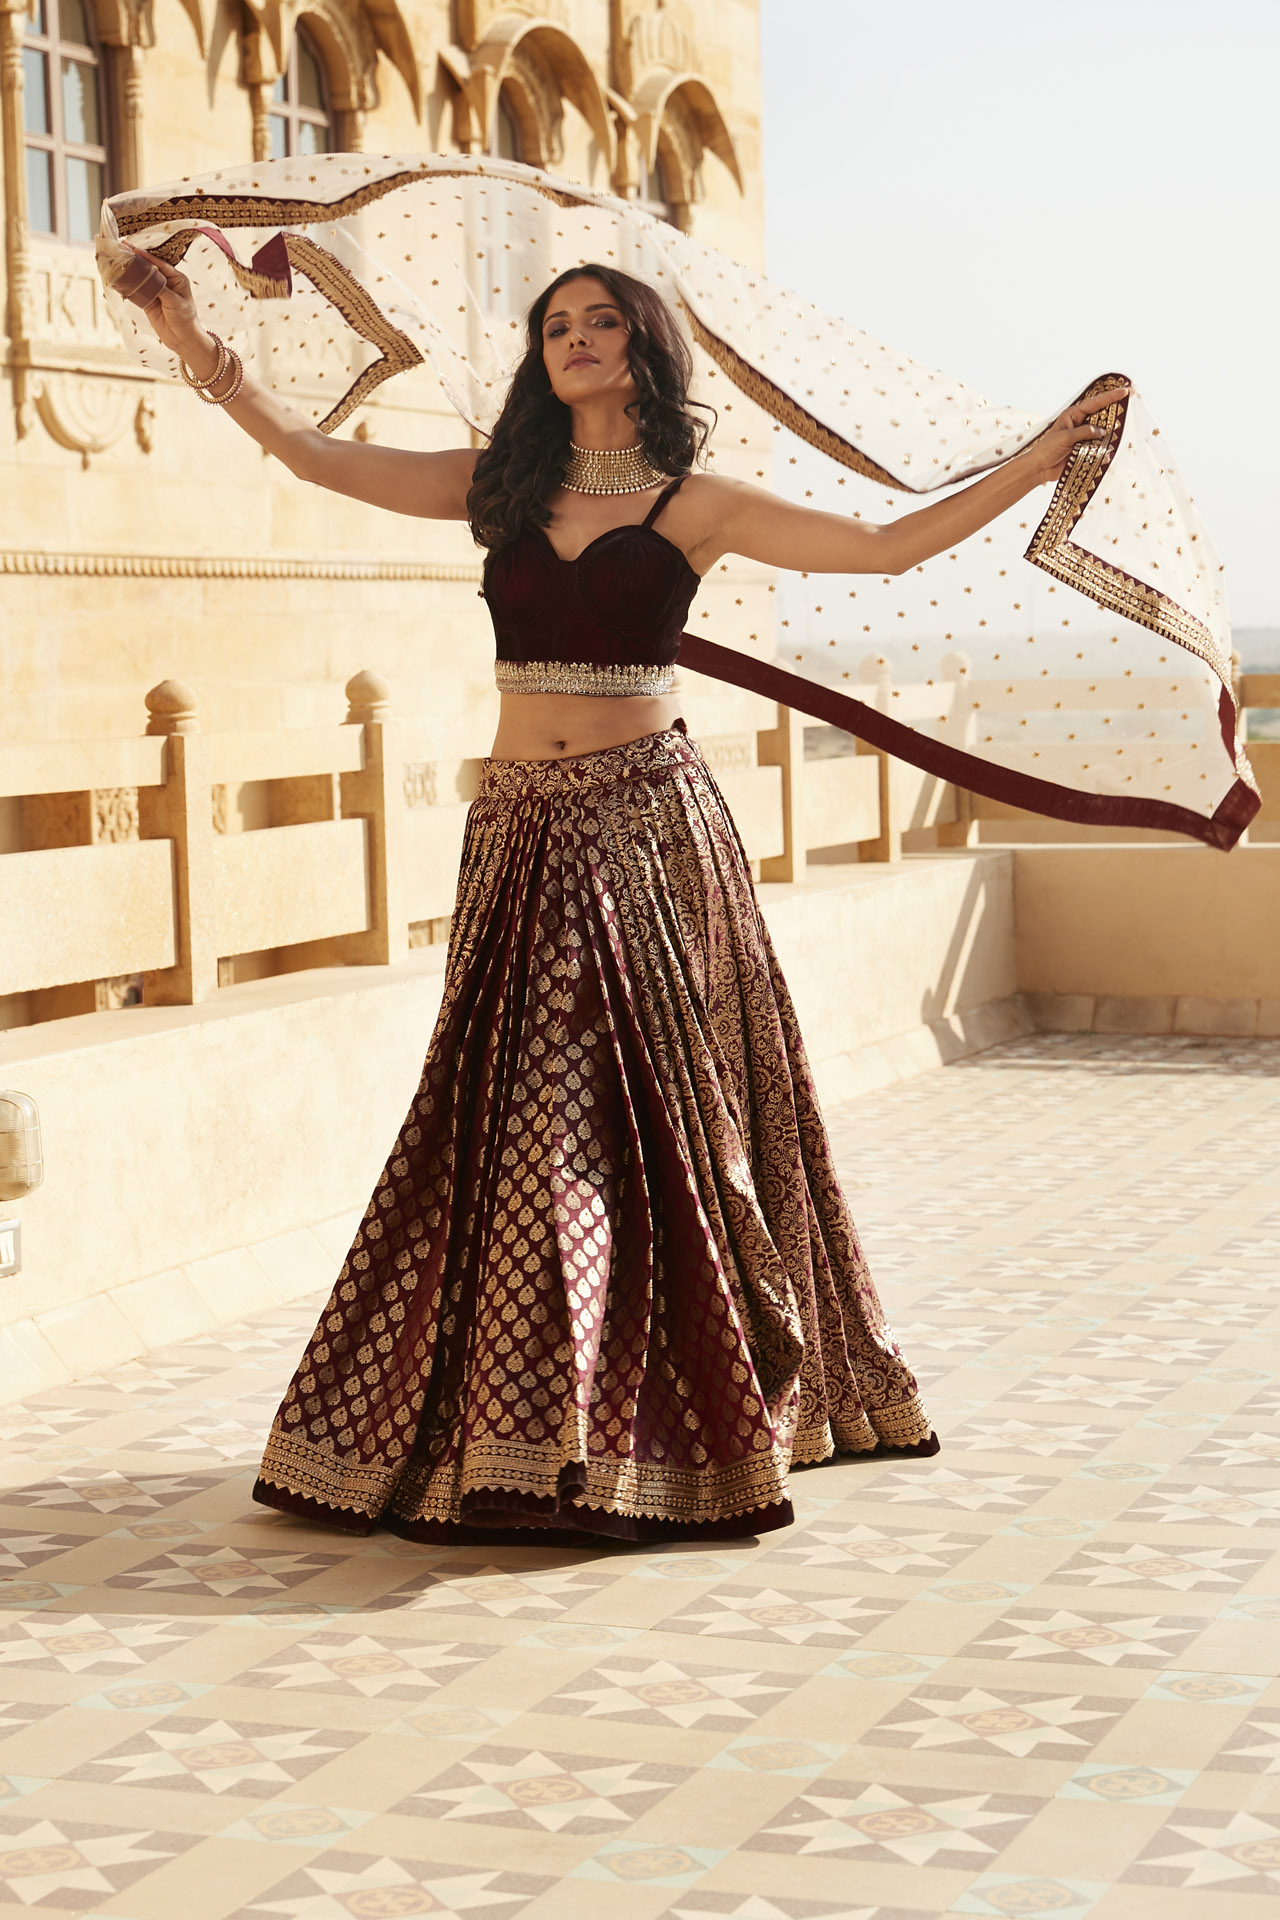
627 526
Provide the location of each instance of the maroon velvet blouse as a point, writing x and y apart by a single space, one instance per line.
622 603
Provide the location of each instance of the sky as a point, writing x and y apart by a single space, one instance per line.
1026 197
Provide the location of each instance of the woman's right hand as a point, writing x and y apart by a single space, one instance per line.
173 316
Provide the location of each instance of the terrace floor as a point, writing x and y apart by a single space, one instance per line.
1033 1676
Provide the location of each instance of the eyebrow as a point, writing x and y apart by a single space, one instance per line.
562 313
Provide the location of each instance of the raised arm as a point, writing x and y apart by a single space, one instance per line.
432 486
736 517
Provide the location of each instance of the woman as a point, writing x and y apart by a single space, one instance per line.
607 1284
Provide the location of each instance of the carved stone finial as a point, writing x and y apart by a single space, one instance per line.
368 696
172 706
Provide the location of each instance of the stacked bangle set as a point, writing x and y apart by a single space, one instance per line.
227 357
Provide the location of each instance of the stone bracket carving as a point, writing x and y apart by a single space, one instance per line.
88 414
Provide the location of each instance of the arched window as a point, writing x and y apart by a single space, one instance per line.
300 120
506 143
654 192
66 122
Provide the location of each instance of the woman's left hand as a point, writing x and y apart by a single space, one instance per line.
1047 456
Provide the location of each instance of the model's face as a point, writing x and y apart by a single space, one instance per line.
584 344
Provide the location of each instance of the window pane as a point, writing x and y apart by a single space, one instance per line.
279 133
84 198
39 190
310 80
312 138
80 104
72 24
35 76
278 92
35 23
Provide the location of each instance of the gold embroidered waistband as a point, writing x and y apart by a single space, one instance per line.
581 676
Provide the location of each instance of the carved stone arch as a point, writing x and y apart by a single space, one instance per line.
349 35
540 65
679 112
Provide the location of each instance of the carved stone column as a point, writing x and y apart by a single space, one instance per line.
132 165
258 96
17 260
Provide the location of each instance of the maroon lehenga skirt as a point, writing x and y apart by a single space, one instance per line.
607 1282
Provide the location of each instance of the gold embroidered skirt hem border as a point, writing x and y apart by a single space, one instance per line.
607 1268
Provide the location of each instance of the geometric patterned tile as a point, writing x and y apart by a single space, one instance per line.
764 1613
979 1720
1254 1747
1021 1436
213 1756
339 1885
1187 1352
1106 1639
915 1825
1209 1689
801 1759
18 1551
357 1663
1005 1893
1190 1569
1121 1785
232 1439
15 1714
1231 1449
553 1792
836 1543
1205 1848
658 1693
1192 1505
224 1571
66 1864
974 1492
89 1644
758 1906
478 1586
111 1492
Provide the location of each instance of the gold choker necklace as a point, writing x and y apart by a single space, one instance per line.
610 470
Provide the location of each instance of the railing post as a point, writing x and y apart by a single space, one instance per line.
376 793
887 844
782 745
963 830
182 811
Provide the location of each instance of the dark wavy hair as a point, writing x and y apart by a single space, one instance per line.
524 462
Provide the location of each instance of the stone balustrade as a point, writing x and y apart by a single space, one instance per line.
134 860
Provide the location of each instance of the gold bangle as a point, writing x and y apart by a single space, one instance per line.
215 376
237 381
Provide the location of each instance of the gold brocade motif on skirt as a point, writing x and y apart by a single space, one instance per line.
608 1263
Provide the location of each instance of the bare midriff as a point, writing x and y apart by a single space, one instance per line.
561 726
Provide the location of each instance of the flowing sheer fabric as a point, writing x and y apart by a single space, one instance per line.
1110 702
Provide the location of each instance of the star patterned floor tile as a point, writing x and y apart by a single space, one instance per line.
340 1885
224 1571
71 1866
1227 1314
15 1714
478 1586
1110 1563
698 1905
360 1664
213 1756
979 1720
1025 1304
1192 1504
1228 1448
19 1551
111 1492
658 1693
1210 1849
87 1643
1089 1389
767 1613
1254 1747
1104 1639
555 1792
905 1550
1022 1436
1001 1894
914 1826
947 1487
1264 1405
1119 1345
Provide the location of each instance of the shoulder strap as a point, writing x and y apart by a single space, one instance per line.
663 498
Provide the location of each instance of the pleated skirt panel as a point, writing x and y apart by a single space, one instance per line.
607 1281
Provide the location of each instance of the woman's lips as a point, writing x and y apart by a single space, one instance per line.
581 360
